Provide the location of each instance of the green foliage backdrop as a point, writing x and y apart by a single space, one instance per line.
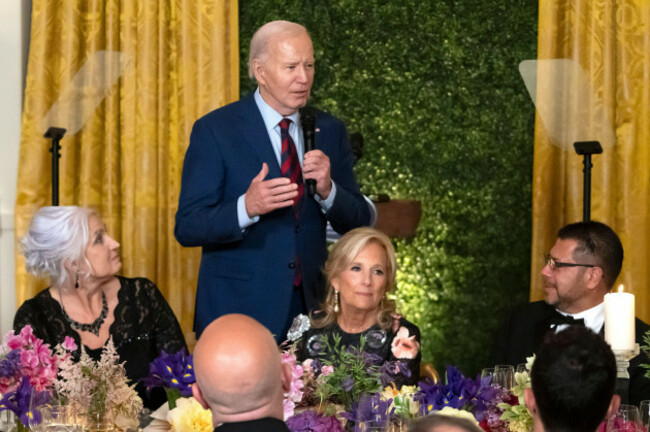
434 89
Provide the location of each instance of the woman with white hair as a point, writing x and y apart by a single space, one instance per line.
88 301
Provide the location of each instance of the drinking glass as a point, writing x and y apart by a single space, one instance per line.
504 375
521 367
626 419
39 401
487 373
99 422
7 420
644 407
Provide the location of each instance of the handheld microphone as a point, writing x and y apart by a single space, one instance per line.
308 122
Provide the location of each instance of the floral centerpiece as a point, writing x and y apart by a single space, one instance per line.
173 372
28 371
515 412
99 387
363 388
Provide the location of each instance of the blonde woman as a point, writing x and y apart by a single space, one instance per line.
360 272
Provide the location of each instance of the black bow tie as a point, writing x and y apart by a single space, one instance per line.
559 319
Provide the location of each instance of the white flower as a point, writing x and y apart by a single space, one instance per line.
189 416
299 325
529 362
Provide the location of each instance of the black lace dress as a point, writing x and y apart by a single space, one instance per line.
144 326
401 342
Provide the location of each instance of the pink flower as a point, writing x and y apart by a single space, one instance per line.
28 359
327 370
27 335
405 346
295 388
68 344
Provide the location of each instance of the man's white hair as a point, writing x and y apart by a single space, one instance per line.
261 38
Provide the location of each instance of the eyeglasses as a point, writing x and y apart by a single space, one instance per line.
553 264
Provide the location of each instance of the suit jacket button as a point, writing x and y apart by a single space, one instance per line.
292 265
297 229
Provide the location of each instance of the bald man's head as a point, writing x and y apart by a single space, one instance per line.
239 372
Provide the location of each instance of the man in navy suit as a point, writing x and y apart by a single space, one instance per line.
580 269
263 239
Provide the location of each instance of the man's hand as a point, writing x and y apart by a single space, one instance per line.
264 196
316 165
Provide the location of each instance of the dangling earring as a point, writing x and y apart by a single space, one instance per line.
336 301
76 281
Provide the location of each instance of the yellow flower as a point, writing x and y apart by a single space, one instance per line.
189 416
402 400
389 392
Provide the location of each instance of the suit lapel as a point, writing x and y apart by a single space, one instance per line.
542 327
253 130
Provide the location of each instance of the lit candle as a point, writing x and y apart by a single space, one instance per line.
619 320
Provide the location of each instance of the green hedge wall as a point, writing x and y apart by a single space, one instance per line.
433 87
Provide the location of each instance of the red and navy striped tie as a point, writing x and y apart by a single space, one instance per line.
290 168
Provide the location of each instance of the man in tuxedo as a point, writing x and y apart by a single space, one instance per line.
573 380
580 269
240 377
242 196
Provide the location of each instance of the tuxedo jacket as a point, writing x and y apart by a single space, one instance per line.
251 271
524 328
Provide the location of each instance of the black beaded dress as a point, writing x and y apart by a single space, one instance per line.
390 345
144 326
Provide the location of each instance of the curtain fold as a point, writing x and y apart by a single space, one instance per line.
611 42
178 60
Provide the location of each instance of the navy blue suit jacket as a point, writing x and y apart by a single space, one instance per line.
251 272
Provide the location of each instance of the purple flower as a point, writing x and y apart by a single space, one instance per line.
310 421
9 366
316 366
370 408
348 383
371 359
174 371
391 370
459 392
19 400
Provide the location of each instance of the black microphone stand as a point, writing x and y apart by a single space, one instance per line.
55 134
587 148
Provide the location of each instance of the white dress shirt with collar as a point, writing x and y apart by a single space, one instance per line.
594 318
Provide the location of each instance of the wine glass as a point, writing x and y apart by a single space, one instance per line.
7 420
504 375
38 403
487 374
626 419
644 408
521 367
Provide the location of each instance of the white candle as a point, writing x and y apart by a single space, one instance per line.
619 320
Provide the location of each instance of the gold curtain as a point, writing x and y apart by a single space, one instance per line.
179 60
611 42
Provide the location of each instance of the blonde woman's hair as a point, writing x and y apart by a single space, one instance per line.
342 254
